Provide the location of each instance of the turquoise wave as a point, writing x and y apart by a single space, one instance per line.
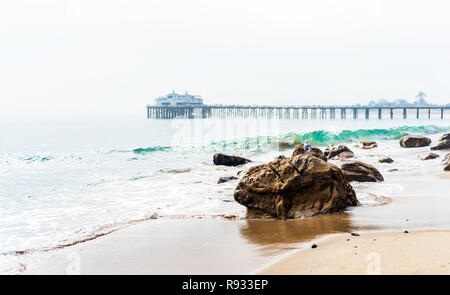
150 149
289 140
322 137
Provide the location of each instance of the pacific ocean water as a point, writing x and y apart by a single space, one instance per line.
62 182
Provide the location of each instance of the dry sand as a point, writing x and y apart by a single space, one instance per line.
419 252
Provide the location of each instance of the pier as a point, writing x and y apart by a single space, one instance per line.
294 112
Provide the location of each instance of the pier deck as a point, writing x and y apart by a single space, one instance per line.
293 112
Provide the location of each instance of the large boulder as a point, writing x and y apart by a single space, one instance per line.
336 150
410 141
226 160
368 144
316 152
362 172
443 145
446 136
296 187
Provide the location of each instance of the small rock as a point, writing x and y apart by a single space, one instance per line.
429 156
405 232
445 137
385 160
226 160
410 141
392 170
314 246
368 144
361 172
343 156
355 234
336 150
226 179
154 216
443 145
231 216
348 240
281 157
447 168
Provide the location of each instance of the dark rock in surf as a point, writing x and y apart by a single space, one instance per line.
336 150
368 144
447 167
429 156
226 179
343 156
385 160
410 141
296 187
361 172
226 160
446 136
443 145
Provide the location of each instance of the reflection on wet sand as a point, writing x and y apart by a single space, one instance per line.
270 234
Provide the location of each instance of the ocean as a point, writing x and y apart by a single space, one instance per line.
66 182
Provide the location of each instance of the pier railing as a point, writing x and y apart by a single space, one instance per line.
294 112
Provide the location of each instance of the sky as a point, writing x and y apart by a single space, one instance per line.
110 58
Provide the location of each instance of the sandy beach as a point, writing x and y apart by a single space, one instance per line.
419 252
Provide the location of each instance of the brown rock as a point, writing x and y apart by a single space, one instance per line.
429 156
446 136
343 156
446 159
368 144
385 160
226 160
334 151
297 187
362 172
443 145
410 141
226 179
447 167
316 152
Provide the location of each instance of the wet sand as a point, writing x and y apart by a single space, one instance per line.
186 246
420 252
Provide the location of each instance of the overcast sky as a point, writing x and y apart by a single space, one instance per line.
107 58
